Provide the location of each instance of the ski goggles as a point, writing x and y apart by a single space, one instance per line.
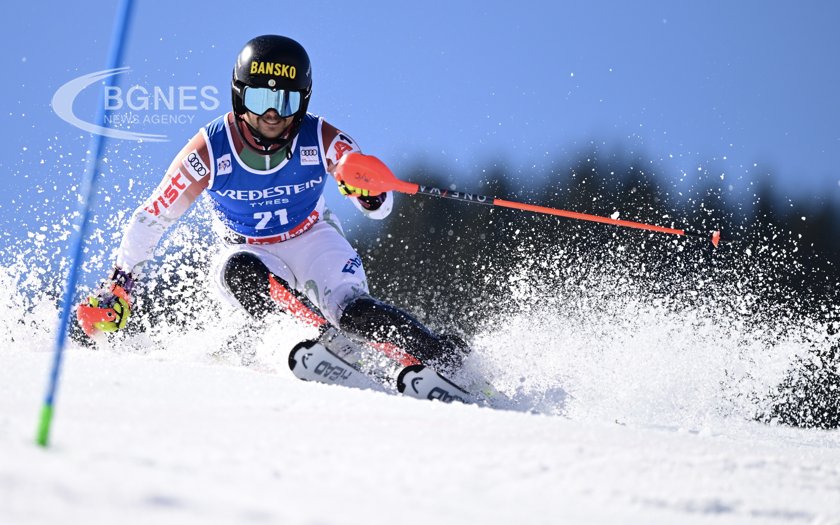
260 100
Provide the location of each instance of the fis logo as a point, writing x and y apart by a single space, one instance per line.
352 265
223 165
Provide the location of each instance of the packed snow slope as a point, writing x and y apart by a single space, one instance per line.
637 396
168 426
159 439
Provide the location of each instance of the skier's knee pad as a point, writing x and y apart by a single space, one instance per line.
260 291
245 277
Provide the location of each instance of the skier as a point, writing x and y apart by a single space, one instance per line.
265 167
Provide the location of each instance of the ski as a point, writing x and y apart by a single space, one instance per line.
335 359
311 361
422 382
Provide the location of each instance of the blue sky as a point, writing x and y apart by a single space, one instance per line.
742 90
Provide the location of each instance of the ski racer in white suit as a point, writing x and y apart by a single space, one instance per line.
265 166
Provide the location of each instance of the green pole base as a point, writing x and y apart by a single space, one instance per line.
43 437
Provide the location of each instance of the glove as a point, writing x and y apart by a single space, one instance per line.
366 200
108 309
372 203
352 191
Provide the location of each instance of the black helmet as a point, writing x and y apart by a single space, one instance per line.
281 65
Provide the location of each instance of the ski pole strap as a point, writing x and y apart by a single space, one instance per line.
123 280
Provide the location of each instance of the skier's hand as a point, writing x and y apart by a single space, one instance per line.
373 202
366 200
352 191
109 307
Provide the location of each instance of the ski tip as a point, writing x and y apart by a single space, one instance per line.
716 238
303 345
401 383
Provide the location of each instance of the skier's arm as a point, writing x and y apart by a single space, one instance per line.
337 144
107 309
187 176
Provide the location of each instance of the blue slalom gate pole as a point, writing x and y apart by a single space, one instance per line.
87 187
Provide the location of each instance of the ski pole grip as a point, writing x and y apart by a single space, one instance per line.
369 173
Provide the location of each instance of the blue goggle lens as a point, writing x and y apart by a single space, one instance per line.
260 100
